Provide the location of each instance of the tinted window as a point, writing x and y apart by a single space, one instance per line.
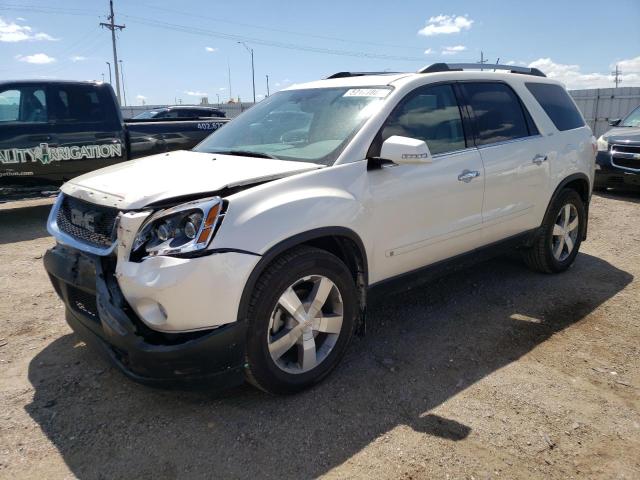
77 103
498 112
430 114
27 104
632 120
557 104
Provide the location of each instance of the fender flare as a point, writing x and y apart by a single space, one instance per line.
291 242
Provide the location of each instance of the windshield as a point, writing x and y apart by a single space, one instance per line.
147 114
311 125
632 120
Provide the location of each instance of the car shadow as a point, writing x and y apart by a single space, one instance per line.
422 347
23 223
628 195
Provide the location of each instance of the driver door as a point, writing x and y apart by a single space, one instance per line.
425 213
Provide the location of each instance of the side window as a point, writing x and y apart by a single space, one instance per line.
556 103
24 105
77 103
498 112
430 114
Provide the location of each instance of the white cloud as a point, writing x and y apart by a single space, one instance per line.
222 89
77 58
210 49
453 50
445 24
195 93
573 77
428 51
12 32
141 98
37 58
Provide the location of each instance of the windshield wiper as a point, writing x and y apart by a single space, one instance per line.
245 153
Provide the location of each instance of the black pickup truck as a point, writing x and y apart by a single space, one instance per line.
52 131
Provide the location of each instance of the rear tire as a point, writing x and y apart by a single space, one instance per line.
556 245
302 315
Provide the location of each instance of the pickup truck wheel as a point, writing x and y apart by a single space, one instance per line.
302 316
556 247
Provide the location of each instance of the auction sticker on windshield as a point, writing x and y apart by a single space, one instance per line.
367 92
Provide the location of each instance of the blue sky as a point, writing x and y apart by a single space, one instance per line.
181 50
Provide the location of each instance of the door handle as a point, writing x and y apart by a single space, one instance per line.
467 175
539 158
40 138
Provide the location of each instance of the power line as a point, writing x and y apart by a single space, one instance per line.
233 37
290 46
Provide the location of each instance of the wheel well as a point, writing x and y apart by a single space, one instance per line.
339 241
581 186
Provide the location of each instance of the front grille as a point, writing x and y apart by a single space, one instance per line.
87 222
83 302
627 163
626 148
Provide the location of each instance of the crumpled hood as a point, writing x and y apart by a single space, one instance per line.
623 135
137 183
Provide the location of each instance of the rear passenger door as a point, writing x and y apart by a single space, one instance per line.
425 213
87 126
514 158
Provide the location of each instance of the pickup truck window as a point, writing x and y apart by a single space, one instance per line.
24 105
77 103
307 125
498 113
430 114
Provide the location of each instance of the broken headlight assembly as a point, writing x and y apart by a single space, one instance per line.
184 229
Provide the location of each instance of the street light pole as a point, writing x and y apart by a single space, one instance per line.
124 93
109 65
267 85
253 73
218 95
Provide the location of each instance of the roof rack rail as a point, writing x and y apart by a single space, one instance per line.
356 74
453 67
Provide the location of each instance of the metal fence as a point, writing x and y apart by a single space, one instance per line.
598 105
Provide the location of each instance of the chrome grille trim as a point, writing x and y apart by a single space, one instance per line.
67 239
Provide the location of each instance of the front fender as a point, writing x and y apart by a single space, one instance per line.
259 218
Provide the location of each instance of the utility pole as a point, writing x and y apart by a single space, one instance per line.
109 65
218 95
113 27
267 85
102 77
253 73
124 92
616 76
482 60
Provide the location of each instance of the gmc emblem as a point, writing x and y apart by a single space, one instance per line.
86 220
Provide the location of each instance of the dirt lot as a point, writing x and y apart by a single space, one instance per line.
493 372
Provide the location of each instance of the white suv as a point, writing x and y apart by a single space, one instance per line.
251 256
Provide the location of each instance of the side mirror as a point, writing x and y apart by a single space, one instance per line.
405 150
614 122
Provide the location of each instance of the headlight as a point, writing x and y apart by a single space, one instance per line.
181 229
603 144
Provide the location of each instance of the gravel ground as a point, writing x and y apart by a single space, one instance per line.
492 372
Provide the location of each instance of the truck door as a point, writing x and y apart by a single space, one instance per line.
88 128
24 127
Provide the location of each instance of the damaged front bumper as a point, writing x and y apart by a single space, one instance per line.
99 314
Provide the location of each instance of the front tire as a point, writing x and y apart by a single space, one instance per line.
557 244
302 315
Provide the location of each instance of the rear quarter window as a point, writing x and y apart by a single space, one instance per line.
557 104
